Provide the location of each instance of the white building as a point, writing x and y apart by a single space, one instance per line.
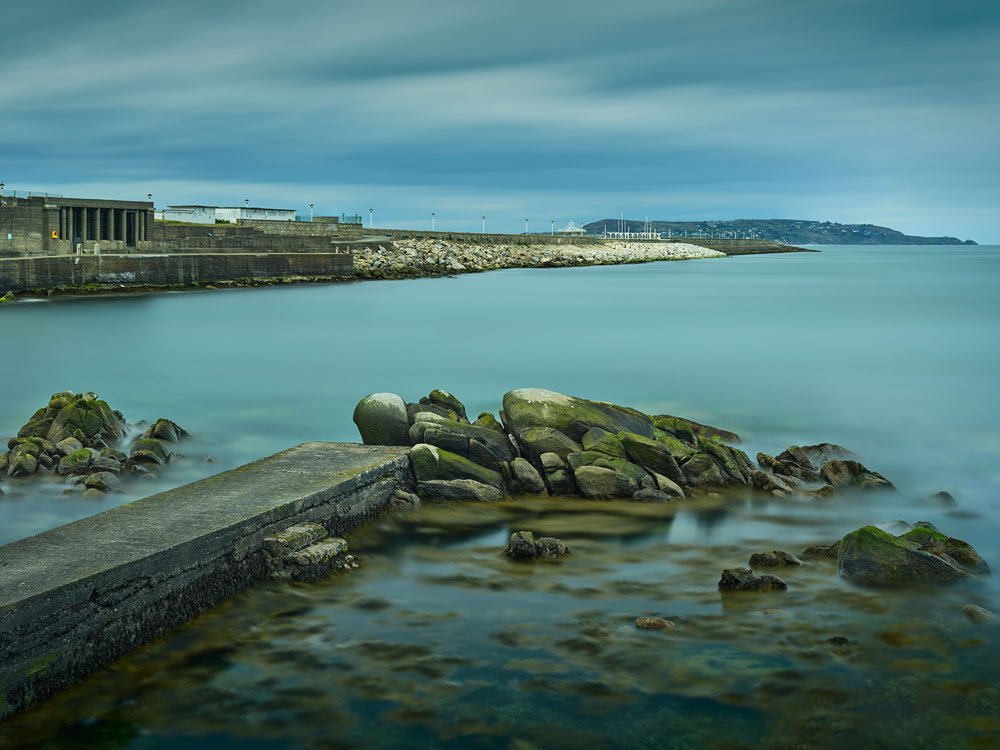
232 214
573 230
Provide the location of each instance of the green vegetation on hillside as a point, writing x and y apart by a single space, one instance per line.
788 231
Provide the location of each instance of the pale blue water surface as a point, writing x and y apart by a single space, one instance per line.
890 351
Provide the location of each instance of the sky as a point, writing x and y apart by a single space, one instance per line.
873 111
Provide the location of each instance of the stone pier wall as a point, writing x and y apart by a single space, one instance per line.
22 274
77 597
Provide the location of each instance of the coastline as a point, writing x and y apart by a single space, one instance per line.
419 257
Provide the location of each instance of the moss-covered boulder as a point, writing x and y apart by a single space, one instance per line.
148 450
382 419
77 462
851 475
487 420
539 440
458 490
447 401
165 430
744 579
599 482
701 470
688 430
8 298
480 444
431 463
653 455
871 555
21 463
933 541
678 449
602 441
527 408
525 478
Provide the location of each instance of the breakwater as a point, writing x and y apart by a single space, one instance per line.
420 257
77 597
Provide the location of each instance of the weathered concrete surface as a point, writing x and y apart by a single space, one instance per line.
79 596
19 274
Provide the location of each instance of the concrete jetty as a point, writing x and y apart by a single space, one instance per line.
79 596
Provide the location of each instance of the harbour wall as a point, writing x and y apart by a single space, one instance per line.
77 597
184 269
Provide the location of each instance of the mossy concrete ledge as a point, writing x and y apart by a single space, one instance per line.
77 597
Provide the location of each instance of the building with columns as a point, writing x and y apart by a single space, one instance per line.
39 226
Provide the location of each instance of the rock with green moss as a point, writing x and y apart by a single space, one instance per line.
382 419
933 541
21 463
871 555
851 475
8 298
677 449
432 463
487 420
732 462
528 408
629 469
601 441
77 462
744 579
602 483
165 430
148 450
688 430
447 401
653 455
480 444
701 470
525 478
458 490
539 440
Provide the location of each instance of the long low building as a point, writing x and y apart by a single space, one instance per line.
56 226
231 214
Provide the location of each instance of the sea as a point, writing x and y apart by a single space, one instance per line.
438 641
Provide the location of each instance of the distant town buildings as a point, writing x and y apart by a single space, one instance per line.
231 214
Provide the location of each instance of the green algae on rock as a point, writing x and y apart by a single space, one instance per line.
873 555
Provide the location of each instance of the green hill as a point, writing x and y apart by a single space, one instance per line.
788 231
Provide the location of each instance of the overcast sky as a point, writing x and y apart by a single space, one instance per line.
880 111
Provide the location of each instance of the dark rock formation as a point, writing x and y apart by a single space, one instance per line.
744 579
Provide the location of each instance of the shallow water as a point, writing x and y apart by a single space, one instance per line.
437 641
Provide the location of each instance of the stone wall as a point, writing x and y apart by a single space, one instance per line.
483 239
26 229
20 274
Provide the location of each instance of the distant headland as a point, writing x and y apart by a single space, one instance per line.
788 231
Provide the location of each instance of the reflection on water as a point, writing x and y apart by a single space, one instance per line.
441 642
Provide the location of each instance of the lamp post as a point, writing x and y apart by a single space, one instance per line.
149 197
432 221
484 225
525 226
371 217
1 189
310 212
553 226
246 203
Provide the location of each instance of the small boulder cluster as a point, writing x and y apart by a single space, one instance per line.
524 546
80 437
798 469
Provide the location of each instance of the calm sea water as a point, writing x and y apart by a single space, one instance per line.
889 351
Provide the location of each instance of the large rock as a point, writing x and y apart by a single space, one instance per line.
458 490
382 420
933 541
602 441
598 482
526 408
77 462
701 469
21 463
653 455
483 445
853 475
688 430
871 555
446 401
525 478
432 463
539 440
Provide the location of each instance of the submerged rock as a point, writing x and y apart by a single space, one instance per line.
524 546
653 623
776 558
823 550
977 614
851 474
744 579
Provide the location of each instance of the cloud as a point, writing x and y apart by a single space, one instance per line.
732 107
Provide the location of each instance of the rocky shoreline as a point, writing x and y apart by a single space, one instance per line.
552 445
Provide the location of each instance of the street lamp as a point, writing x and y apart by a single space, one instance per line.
247 203
371 217
553 226
432 221
1 188
484 225
149 197
310 212
525 226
